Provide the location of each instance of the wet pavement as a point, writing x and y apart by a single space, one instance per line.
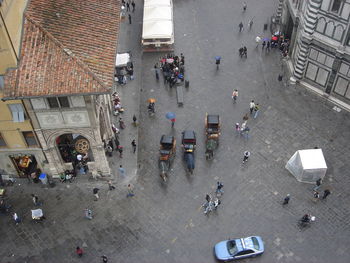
164 222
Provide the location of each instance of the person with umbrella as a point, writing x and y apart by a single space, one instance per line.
151 106
172 117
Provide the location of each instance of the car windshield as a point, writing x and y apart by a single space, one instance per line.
255 243
231 247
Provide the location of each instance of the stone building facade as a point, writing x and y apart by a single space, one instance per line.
319 36
65 77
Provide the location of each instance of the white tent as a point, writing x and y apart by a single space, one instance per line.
158 21
307 165
122 59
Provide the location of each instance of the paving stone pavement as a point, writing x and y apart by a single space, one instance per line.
165 222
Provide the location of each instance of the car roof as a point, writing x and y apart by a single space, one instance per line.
248 243
167 139
188 135
213 119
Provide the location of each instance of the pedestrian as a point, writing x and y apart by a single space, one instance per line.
240 50
156 69
88 213
79 251
134 119
245 132
326 193
263 44
35 199
268 46
127 7
245 51
235 95
95 192
219 186
316 195
251 107
173 122
133 6
16 218
245 117
121 171
257 41
286 199
238 128
256 109
246 156
250 24
318 184
217 61
130 191
129 16
208 198
109 150
182 59
244 6
110 185
243 126
133 144
240 25
104 259
120 150
117 143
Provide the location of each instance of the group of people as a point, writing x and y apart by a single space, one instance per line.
118 109
173 68
213 203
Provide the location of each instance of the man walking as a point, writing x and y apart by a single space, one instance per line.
240 27
246 156
219 186
79 251
318 184
244 6
326 193
286 199
133 144
35 200
129 16
173 122
95 192
110 185
245 51
256 109
133 6
120 150
127 7
121 171
130 191
235 95
251 106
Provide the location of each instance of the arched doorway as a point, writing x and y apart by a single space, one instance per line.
75 149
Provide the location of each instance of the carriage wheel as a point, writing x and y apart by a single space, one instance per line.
82 146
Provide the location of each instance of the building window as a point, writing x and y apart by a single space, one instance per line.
60 102
30 139
342 87
317 74
2 142
17 112
336 6
321 58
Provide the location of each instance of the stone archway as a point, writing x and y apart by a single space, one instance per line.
97 165
71 145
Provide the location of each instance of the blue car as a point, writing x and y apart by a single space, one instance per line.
239 248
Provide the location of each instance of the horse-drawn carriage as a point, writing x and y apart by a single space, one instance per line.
167 153
212 132
189 146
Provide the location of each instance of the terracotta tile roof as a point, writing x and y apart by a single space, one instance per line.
68 47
